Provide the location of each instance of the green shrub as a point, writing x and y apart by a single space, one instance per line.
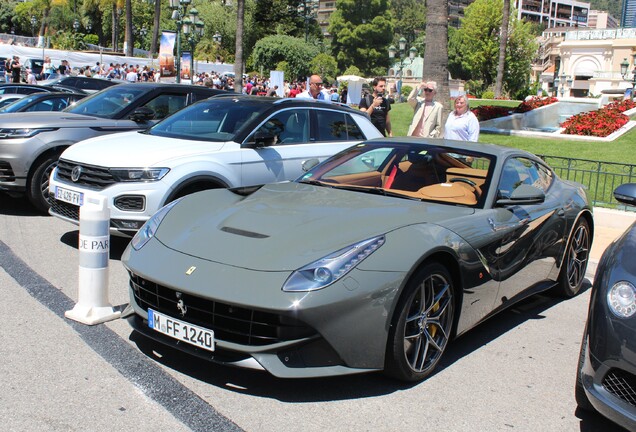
406 90
488 95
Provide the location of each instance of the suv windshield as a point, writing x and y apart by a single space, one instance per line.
107 103
210 120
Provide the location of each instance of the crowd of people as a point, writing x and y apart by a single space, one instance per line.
461 123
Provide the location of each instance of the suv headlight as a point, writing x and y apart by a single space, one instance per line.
22 132
327 270
148 230
139 174
621 299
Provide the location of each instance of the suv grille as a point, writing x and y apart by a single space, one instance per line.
6 172
622 385
93 177
230 323
64 209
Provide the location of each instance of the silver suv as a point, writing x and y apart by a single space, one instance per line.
31 143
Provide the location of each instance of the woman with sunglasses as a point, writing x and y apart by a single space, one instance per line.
427 120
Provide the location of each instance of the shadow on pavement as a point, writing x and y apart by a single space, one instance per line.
17 206
260 383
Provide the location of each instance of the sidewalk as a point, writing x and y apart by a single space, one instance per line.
608 225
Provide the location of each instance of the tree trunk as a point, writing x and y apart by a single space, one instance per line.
436 51
130 41
238 60
115 28
503 42
155 29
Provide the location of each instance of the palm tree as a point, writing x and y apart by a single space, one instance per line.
130 42
155 30
238 60
503 41
436 50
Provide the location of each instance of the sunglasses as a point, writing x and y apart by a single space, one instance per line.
428 90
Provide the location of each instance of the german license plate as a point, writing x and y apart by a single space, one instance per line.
69 196
181 330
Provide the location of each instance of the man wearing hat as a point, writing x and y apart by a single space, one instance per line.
15 67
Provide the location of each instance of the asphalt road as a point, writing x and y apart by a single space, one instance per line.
514 372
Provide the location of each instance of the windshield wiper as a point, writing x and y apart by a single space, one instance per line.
314 182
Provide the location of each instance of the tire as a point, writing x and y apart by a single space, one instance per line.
38 188
579 392
575 261
422 324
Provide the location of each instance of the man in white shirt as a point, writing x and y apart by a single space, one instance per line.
315 90
131 76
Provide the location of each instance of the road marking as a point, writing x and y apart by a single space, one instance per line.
154 382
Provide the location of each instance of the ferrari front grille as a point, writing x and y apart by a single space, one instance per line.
230 323
622 385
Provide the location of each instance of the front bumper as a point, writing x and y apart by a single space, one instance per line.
130 204
341 329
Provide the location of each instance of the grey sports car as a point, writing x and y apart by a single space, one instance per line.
373 260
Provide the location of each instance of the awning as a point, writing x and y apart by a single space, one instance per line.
585 68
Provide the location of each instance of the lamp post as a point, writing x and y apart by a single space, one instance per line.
76 25
625 73
179 13
34 21
193 30
402 60
308 10
562 83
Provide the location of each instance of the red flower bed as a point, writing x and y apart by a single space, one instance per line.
599 123
487 112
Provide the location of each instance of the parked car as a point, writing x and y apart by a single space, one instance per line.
41 102
9 98
36 66
31 143
3 69
606 373
86 84
373 260
220 142
14 88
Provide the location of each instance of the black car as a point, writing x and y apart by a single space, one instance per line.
54 101
86 84
606 374
31 143
35 88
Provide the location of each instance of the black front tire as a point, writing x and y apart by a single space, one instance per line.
38 188
422 324
577 255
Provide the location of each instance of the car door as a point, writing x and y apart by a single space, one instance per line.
531 233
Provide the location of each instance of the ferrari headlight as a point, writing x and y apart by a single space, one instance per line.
139 174
148 230
329 269
22 132
621 299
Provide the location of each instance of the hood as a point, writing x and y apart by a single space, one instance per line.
52 119
135 149
284 226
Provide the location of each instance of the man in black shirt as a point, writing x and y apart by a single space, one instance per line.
378 107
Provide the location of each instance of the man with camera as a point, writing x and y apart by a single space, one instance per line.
378 107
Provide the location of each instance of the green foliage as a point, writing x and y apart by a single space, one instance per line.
361 31
488 94
474 49
271 50
409 19
406 90
67 40
325 66
352 70
91 39
7 8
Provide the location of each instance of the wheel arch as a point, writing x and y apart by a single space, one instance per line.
51 151
195 184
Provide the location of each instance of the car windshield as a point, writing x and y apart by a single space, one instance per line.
107 103
210 120
17 104
409 170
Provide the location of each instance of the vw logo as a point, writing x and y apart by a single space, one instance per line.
76 173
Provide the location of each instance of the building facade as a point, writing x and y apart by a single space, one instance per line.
554 13
601 20
628 15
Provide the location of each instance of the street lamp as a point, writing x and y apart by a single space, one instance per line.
179 13
193 30
308 10
76 25
402 60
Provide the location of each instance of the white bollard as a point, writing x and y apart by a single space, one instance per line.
94 246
